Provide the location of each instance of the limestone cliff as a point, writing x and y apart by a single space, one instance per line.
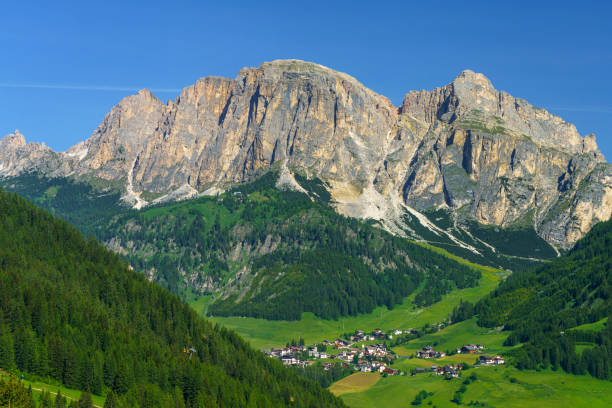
479 152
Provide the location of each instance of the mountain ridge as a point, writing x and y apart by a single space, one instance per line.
481 153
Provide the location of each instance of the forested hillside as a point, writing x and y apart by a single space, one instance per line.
271 253
544 307
73 311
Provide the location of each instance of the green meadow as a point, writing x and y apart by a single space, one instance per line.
354 383
71 395
596 326
494 386
457 335
263 334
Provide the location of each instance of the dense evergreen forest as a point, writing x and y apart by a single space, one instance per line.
73 311
276 254
543 307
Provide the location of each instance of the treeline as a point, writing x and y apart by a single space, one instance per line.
72 311
541 307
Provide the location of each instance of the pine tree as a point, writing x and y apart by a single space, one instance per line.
60 401
111 400
7 351
85 401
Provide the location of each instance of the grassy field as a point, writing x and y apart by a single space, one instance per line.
597 326
354 383
264 334
495 386
71 395
457 335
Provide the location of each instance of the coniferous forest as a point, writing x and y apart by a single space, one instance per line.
73 311
255 243
276 254
543 308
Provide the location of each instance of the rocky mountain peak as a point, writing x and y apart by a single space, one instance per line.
471 99
463 146
467 76
145 93
276 67
13 140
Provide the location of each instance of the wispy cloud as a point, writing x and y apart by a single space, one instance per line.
87 87
591 109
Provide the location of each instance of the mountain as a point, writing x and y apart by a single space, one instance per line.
560 311
478 154
72 311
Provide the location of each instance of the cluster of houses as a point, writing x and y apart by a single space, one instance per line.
429 352
289 355
365 358
374 357
371 352
368 358
488 360
449 370
470 349
313 352
377 334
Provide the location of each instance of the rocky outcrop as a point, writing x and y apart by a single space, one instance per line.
111 151
17 156
467 147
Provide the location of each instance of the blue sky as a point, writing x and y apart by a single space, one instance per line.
65 64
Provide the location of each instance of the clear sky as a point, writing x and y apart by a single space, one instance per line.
65 64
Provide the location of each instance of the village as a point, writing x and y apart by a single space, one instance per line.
368 353
363 351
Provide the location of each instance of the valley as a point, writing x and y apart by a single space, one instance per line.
158 238
152 263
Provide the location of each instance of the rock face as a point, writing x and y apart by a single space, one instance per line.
467 147
17 156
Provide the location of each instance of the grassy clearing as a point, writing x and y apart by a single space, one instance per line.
454 257
38 387
400 391
597 326
457 335
510 387
357 382
264 334
496 386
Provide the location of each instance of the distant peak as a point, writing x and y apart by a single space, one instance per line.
295 65
147 94
15 139
142 96
274 69
291 63
471 77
